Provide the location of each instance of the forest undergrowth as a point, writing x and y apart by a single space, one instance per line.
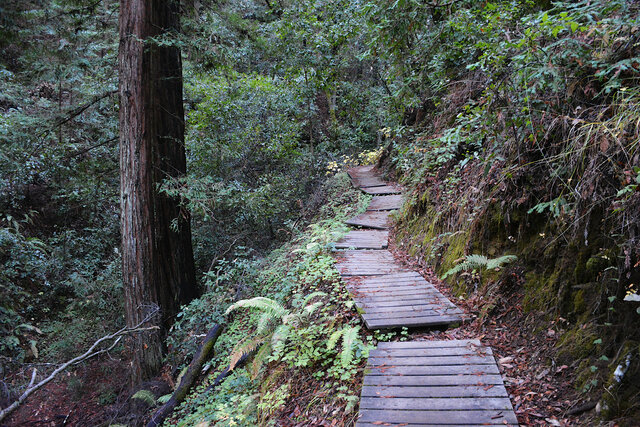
512 124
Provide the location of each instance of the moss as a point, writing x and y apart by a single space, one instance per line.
540 290
622 392
577 344
579 305
455 249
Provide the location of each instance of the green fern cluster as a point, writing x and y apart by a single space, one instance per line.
476 262
274 327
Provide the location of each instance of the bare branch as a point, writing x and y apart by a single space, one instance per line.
91 352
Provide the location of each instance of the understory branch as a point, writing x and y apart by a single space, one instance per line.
91 352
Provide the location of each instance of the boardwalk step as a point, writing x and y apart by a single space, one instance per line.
399 299
371 219
385 203
387 189
364 239
434 383
367 263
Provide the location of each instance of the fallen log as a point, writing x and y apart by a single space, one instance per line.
202 356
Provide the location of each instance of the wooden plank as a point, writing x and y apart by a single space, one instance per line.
405 278
391 286
367 282
366 263
397 276
364 239
386 203
405 286
384 424
428 361
413 322
374 293
387 189
359 171
435 417
426 352
402 313
428 344
365 181
478 391
479 375
452 371
372 219
400 300
437 404
372 309
388 302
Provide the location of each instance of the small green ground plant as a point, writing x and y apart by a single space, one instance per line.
296 319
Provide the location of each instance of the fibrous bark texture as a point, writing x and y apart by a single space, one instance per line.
157 257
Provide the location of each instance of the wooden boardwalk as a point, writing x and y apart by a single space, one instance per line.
434 383
401 299
371 219
385 203
417 383
364 239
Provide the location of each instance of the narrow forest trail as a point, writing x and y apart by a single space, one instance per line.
454 382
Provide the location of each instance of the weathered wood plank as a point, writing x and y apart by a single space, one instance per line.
426 352
366 263
429 344
367 181
376 293
400 300
387 189
402 313
413 322
438 404
428 361
390 424
396 287
360 171
386 203
372 309
364 239
478 391
372 219
396 300
435 417
479 375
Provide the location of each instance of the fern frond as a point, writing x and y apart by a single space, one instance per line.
161 400
333 339
308 310
349 339
146 396
313 295
241 349
259 359
475 261
280 336
500 261
265 324
261 303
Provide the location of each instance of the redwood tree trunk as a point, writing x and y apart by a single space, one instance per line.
157 260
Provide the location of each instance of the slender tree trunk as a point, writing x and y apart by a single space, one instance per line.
157 259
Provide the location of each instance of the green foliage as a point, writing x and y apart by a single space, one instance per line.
476 262
289 329
146 396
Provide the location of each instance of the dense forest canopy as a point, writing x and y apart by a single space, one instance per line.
513 126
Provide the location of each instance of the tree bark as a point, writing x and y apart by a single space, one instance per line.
157 257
